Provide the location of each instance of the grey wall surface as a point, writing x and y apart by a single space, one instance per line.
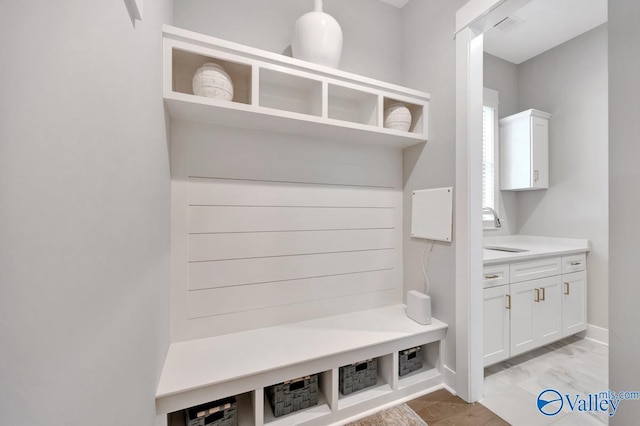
570 82
429 64
502 76
624 204
84 213
372 30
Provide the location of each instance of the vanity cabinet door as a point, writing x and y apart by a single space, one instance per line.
536 313
496 307
523 307
574 303
549 311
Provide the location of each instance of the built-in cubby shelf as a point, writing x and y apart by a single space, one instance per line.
277 93
244 364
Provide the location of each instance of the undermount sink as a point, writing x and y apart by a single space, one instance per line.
507 249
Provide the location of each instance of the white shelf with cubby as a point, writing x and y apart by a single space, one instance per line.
277 93
243 364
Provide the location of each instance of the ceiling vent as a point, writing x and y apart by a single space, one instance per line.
508 24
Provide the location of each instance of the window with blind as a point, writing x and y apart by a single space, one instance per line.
488 166
489 151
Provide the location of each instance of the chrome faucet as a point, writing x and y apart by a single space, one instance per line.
496 219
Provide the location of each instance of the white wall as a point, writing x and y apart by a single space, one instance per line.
372 30
570 82
429 64
624 203
274 180
84 213
502 76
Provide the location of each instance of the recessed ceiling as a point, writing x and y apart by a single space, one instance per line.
541 25
397 3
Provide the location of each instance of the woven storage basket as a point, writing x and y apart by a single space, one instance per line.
293 395
410 360
223 412
358 376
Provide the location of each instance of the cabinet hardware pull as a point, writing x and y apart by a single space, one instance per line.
567 290
508 301
542 298
491 277
537 299
576 263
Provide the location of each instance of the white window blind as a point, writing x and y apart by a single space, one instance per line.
488 157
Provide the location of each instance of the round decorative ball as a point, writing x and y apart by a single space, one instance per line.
398 117
212 81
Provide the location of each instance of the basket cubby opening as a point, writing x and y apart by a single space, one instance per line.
429 354
245 413
301 416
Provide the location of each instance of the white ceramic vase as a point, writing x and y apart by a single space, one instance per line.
317 38
212 81
398 117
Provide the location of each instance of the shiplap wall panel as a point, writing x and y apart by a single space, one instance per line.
281 314
226 273
227 192
206 219
261 244
251 297
274 228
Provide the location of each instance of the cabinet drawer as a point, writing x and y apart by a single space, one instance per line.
495 275
534 269
575 263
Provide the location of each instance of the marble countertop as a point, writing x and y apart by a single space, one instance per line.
536 247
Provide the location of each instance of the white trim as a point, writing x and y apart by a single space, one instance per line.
471 20
469 360
449 378
597 334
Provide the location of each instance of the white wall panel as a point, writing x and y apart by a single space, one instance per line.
226 273
227 300
226 192
260 219
280 314
261 244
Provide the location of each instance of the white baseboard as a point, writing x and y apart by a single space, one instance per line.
597 334
449 379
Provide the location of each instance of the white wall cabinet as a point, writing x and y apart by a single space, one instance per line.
538 306
524 151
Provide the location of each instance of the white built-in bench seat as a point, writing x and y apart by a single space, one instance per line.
244 363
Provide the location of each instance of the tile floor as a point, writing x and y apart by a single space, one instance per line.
571 366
